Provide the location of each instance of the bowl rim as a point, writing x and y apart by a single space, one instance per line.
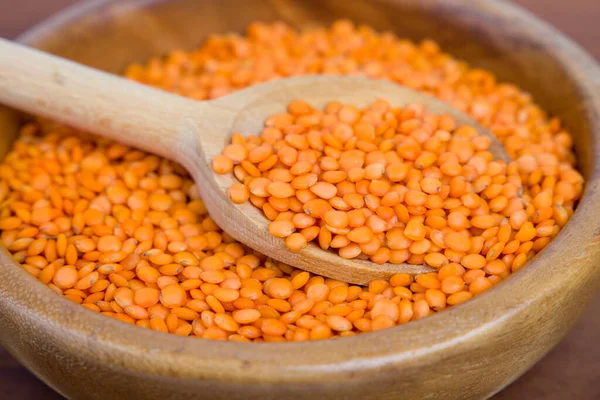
334 359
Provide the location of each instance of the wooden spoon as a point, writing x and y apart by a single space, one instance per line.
194 132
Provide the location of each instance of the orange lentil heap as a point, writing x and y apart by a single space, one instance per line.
385 184
125 233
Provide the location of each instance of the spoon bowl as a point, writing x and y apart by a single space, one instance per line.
248 110
194 132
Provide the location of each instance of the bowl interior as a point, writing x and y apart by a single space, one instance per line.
107 39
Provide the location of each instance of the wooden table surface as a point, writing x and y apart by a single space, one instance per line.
570 371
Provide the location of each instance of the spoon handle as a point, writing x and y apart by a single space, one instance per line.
92 100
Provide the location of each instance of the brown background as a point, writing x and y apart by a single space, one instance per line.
570 371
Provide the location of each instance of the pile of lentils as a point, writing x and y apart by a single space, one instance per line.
125 233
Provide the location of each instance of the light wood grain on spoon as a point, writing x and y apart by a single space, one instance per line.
193 133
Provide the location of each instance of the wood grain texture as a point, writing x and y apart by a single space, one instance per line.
564 373
95 101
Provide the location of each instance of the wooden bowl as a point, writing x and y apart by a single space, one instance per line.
468 352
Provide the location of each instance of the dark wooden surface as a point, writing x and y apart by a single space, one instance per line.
570 371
